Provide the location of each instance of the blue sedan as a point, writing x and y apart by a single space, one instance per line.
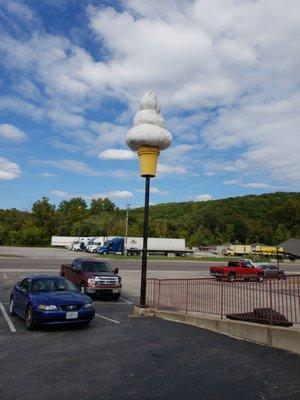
50 300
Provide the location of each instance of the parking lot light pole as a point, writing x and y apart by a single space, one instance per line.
148 137
145 243
126 229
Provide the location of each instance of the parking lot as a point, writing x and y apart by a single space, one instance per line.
120 356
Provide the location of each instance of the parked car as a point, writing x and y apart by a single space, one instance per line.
50 300
272 271
93 277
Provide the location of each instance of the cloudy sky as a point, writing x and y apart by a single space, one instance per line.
72 74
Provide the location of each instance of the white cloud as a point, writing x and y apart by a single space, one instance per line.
59 193
116 154
118 194
204 197
46 175
11 132
17 9
170 169
69 165
154 190
216 60
114 194
255 185
9 170
231 182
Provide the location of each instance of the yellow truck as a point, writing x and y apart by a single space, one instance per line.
237 250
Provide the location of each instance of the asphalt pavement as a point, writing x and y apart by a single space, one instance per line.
122 357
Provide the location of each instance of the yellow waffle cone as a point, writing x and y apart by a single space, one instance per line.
148 160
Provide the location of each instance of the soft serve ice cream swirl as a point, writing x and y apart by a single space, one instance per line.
149 126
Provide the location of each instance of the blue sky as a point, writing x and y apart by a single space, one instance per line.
72 74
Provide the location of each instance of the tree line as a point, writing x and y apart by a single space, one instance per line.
268 218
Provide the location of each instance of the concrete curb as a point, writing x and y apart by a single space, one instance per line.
272 336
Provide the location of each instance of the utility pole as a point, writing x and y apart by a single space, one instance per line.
126 229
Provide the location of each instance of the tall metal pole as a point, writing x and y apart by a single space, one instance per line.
145 244
126 229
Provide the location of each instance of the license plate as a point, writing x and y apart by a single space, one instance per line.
72 315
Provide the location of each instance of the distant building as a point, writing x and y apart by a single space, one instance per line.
291 247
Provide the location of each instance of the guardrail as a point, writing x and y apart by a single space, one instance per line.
275 302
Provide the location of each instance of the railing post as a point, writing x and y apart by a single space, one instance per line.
187 296
158 300
271 302
222 299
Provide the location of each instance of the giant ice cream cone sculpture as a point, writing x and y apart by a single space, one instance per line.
148 135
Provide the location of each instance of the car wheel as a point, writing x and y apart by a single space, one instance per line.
260 278
82 288
231 278
29 325
12 307
115 296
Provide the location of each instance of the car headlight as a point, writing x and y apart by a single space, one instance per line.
45 307
88 305
91 280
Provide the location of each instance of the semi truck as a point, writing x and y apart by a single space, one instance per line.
134 246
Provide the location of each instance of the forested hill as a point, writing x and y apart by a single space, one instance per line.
268 218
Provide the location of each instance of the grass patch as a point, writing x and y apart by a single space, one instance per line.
164 258
11 255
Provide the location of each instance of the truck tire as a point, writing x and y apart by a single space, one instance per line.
260 278
231 277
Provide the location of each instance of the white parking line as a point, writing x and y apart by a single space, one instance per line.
112 320
8 320
129 302
4 275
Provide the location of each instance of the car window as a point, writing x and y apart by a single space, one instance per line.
233 264
94 266
77 265
52 285
25 284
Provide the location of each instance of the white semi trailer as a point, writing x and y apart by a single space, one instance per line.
134 246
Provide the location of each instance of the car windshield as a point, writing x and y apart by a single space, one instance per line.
52 285
94 266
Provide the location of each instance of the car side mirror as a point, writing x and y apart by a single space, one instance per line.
116 271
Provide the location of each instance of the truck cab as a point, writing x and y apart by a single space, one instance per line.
113 246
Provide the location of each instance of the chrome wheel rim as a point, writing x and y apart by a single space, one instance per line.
28 317
11 306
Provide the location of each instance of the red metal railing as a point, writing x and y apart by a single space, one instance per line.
272 301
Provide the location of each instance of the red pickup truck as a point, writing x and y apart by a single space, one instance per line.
237 270
93 277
